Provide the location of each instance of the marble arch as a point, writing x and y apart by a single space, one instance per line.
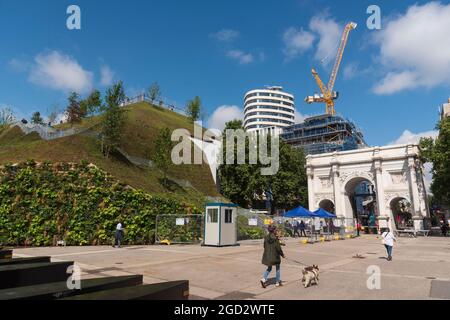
395 172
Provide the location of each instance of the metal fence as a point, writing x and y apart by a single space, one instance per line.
252 225
163 103
179 229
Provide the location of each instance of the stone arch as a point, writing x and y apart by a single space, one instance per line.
400 220
391 197
327 205
362 175
353 202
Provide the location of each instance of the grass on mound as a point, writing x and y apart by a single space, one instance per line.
142 125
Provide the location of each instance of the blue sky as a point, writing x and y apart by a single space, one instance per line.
391 80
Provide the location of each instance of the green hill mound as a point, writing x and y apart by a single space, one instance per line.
189 183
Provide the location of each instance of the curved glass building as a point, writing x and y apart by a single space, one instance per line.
268 109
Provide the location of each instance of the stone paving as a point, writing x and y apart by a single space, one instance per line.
420 268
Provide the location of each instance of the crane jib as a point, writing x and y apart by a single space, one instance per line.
327 92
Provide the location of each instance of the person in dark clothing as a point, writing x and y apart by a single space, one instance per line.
271 256
118 235
296 225
302 228
444 229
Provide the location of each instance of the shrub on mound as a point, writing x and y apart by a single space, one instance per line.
41 203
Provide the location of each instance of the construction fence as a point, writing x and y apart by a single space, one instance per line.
179 229
250 225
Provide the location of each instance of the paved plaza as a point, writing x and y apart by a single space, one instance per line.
420 268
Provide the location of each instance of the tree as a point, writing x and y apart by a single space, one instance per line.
73 111
245 185
6 117
438 153
162 149
113 118
36 118
92 104
193 108
53 114
154 92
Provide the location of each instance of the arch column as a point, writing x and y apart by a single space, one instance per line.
417 215
337 192
383 218
311 191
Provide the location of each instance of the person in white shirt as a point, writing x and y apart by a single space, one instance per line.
388 241
118 235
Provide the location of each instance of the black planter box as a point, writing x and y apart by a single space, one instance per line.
174 290
57 290
28 274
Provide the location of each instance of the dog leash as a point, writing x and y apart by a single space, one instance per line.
297 262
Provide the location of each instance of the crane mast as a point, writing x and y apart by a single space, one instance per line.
327 94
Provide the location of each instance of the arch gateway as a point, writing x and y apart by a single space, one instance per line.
370 182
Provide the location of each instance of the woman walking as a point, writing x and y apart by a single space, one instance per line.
388 241
271 256
118 235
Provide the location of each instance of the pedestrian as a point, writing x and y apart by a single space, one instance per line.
388 241
302 228
358 228
296 225
271 256
444 229
118 235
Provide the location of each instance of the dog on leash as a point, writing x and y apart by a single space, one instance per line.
310 275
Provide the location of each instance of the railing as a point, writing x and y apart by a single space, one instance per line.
49 133
45 132
158 102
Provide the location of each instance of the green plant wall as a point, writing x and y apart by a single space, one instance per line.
79 203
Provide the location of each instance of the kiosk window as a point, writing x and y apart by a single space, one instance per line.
213 215
228 216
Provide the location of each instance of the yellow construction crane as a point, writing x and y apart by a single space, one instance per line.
327 95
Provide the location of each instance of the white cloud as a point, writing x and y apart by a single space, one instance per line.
225 35
415 49
107 76
224 114
19 65
296 42
240 56
329 33
299 118
321 27
394 82
59 71
410 137
350 71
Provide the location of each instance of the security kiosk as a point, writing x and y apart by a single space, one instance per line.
220 225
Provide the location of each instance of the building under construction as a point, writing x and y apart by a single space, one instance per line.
324 133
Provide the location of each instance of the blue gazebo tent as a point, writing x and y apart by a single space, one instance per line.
299 212
321 213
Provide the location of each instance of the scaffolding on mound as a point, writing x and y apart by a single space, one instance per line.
324 133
